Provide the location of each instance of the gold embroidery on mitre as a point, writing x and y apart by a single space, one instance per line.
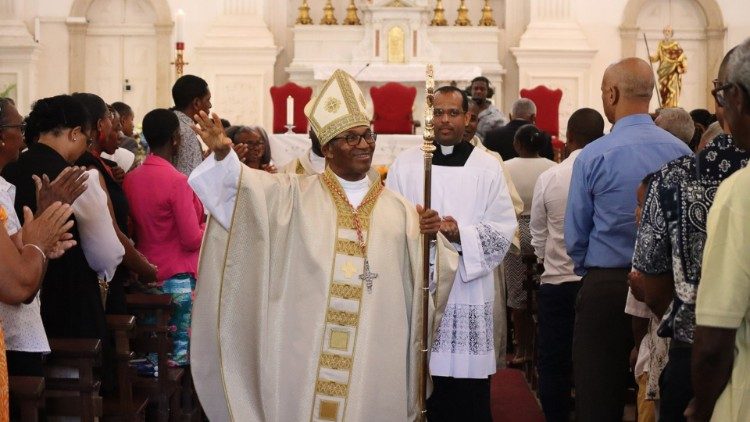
332 105
346 291
330 388
337 362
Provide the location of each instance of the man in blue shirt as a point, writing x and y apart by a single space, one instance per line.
600 234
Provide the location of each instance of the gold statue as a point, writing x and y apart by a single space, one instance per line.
328 17
351 15
439 18
304 14
487 19
463 15
672 65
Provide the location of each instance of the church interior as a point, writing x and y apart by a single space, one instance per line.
264 60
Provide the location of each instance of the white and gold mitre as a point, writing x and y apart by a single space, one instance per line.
339 106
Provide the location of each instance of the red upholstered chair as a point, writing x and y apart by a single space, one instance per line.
301 96
547 108
392 105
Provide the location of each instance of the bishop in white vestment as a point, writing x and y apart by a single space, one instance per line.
306 308
469 186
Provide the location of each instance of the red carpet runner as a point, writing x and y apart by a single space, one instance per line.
511 398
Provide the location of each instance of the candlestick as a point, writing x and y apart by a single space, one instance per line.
328 17
180 26
304 14
463 15
439 15
487 19
289 110
351 15
179 60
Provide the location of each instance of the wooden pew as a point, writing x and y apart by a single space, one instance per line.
27 395
125 405
77 397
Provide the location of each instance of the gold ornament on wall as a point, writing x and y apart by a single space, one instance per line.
351 15
328 17
304 14
463 15
438 18
487 19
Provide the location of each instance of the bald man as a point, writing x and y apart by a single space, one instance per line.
600 234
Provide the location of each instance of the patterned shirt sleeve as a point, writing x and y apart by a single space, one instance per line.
189 154
653 250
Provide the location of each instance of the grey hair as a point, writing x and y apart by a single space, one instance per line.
263 137
713 130
678 122
739 66
523 108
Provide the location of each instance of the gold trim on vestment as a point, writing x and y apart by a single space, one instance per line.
300 168
346 291
342 360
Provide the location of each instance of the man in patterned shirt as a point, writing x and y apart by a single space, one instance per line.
670 241
191 95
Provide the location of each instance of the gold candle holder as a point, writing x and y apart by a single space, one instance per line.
438 18
351 15
304 14
328 17
463 15
487 19
179 60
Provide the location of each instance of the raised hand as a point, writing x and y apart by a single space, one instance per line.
66 187
212 133
242 151
429 220
47 230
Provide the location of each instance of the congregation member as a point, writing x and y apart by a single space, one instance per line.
71 301
669 249
126 135
524 170
168 223
600 233
489 116
678 122
702 119
26 250
258 155
358 246
191 95
559 284
720 361
311 162
110 177
500 140
469 190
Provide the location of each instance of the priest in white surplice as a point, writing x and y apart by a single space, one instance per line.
470 192
307 305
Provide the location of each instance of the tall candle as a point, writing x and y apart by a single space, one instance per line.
180 26
289 110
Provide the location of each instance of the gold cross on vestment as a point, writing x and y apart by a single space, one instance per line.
368 276
348 269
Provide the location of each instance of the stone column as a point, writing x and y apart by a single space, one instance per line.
18 57
237 59
554 51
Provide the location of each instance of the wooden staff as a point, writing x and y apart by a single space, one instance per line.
428 147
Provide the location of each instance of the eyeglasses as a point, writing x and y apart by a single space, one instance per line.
255 145
352 139
453 113
718 92
21 127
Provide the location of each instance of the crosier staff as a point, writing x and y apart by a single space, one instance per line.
428 147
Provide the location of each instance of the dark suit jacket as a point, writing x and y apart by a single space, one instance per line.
500 140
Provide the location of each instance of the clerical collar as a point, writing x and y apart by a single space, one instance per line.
452 156
355 191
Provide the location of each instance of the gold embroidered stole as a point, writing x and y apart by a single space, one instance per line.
345 296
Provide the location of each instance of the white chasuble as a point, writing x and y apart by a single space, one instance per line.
476 196
284 325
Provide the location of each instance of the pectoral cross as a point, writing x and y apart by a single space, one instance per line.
368 276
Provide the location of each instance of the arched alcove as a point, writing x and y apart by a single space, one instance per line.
144 28
713 35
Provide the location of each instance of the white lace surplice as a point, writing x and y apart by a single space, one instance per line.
476 195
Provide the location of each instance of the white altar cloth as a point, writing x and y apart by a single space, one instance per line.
285 148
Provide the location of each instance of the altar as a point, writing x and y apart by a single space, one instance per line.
286 147
394 43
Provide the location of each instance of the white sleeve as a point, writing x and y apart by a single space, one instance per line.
216 184
538 222
637 308
99 242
